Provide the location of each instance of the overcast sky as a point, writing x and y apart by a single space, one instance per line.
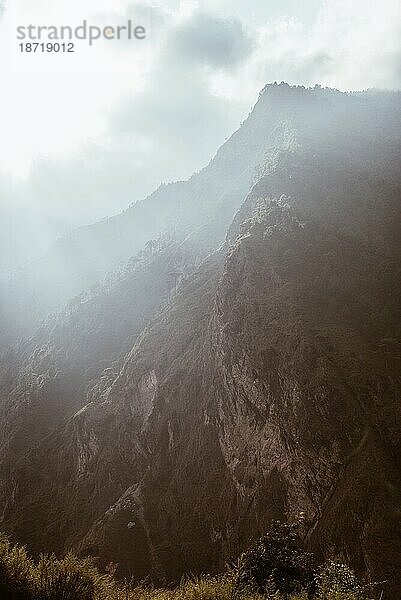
84 135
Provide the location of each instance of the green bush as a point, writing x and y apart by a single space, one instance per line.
276 566
277 563
338 580
68 579
51 578
15 572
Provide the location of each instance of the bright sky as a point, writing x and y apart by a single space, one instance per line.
52 102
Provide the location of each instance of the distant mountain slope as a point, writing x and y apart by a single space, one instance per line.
77 353
267 383
80 259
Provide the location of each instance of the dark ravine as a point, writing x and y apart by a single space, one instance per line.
257 372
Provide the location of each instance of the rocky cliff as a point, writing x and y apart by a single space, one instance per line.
244 377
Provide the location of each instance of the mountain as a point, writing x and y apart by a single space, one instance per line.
244 366
82 258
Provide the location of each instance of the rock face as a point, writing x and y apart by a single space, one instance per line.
264 382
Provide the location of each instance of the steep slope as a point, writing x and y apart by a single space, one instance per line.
269 384
53 368
212 195
82 258
76 353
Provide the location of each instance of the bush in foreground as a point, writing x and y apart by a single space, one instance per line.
276 567
277 563
338 580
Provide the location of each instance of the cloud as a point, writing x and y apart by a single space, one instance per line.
212 41
207 62
175 125
349 45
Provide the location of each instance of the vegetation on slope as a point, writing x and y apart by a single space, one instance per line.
275 567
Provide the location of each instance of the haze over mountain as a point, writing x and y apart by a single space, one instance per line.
224 352
104 128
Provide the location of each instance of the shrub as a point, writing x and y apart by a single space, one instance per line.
277 563
338 580
50 579
15 570
71 579
62 580
276 566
